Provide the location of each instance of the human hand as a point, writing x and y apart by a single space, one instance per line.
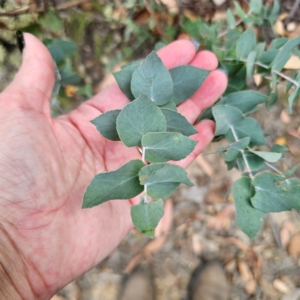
46 165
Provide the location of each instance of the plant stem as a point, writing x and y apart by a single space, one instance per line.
273 168
145 197
243 154
236 24
279 74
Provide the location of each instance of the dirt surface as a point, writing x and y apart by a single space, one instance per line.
203 228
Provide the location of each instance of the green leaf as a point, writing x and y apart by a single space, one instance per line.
120 184
291 171
244 101
251 63
162 179
186 81
106 124
165 146
146 215
72 79
230 19
248 218
289 183
123 78
226 117
268 56
170 105
284 54
232 151
239 11
279 149
60 50
278 43
51 21
293 96
268 156
259 48
255 6
255 162
275 11
178 123
153 79
272 198
138 118
272 99
245 44
248 127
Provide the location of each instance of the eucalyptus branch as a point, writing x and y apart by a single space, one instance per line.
243 153
273 168
279 74
240 21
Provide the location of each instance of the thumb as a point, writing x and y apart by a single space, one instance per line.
33 84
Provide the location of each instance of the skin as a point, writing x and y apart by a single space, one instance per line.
46 239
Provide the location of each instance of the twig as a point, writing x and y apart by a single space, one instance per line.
292 12
243 153
28 9
236 24
273 168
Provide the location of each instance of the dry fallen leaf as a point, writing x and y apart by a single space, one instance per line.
206 167
285 117
247 276
281 141
279 28
196 244
294 244
293 63
287 230
281 286
257 79
171 5
223 219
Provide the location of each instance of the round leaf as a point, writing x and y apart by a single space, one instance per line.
138 118
153 79
162 179
146 215
120 184
165 146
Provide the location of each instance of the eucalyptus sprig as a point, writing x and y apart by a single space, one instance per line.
151 123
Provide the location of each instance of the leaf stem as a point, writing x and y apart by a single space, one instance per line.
236 24
273 168
243 153
145 198
279 74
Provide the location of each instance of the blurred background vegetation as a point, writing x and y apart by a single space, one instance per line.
103 34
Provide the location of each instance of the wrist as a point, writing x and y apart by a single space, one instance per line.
14 284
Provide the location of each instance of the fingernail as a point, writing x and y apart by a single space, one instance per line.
196 44
20 40
223 71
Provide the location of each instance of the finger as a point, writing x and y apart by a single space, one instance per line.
209 92
204 136
205 60
178 53
33 84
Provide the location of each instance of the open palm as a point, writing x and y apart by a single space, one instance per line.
46 165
